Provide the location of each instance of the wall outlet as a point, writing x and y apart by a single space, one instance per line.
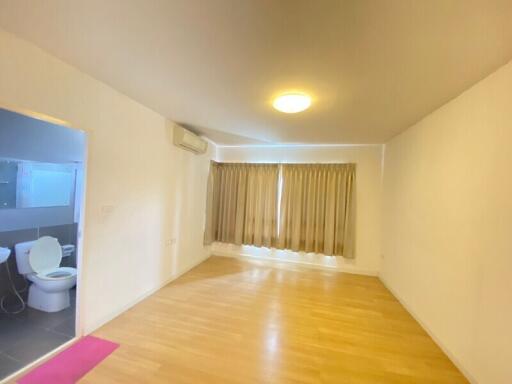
107 210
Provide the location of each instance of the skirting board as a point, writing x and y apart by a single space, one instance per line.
439 343
218 251
124 308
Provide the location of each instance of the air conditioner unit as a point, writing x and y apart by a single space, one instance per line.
189 141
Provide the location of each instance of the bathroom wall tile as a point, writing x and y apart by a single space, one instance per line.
73 236
5 284
11 301
68 262
60 232
10 238
66 234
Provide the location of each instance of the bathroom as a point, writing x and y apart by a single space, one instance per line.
41 200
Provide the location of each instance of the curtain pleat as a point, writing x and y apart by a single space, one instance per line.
317 208
242 204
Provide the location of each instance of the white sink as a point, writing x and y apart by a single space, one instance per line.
4 254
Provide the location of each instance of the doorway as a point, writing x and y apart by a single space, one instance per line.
42 169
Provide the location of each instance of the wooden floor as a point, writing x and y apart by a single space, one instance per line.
231 321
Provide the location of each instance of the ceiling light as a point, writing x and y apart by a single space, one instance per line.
292 102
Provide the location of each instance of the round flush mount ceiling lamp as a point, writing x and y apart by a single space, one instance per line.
292 102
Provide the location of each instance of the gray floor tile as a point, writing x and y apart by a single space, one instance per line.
35 318
8 366
66 328
39 319
30 349
12 332
26 336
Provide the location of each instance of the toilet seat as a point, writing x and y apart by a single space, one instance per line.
45 257
61 273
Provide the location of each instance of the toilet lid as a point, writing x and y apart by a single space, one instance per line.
46 253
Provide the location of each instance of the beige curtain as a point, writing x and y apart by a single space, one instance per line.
242 204
317 208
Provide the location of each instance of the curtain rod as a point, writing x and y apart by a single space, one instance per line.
282 162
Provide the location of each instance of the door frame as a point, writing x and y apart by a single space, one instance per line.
79 312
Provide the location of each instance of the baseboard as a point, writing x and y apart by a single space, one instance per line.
98 324
439 343
216 251
111 316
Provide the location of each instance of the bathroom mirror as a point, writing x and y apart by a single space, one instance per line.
32 184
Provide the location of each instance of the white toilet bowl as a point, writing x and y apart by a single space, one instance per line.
50 291
39 261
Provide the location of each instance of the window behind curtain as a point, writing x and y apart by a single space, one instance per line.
317 208
242 204
301 207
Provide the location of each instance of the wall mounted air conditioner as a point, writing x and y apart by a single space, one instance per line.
189 141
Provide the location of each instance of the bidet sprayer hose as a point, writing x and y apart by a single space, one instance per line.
16 293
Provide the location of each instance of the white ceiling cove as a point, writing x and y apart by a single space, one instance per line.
373 67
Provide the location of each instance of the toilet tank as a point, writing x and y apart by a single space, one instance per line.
22 251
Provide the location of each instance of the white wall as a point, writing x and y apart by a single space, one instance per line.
448 226
368 159
142 192
447 205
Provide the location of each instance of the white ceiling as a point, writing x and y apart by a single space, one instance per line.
373 67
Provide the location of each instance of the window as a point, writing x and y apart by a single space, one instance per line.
28 184
302 207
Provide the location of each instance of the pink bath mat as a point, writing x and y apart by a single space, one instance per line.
72 364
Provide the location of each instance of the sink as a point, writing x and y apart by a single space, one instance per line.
4 254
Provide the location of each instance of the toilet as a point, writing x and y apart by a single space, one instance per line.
39 262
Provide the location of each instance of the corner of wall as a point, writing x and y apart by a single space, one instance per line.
427 329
